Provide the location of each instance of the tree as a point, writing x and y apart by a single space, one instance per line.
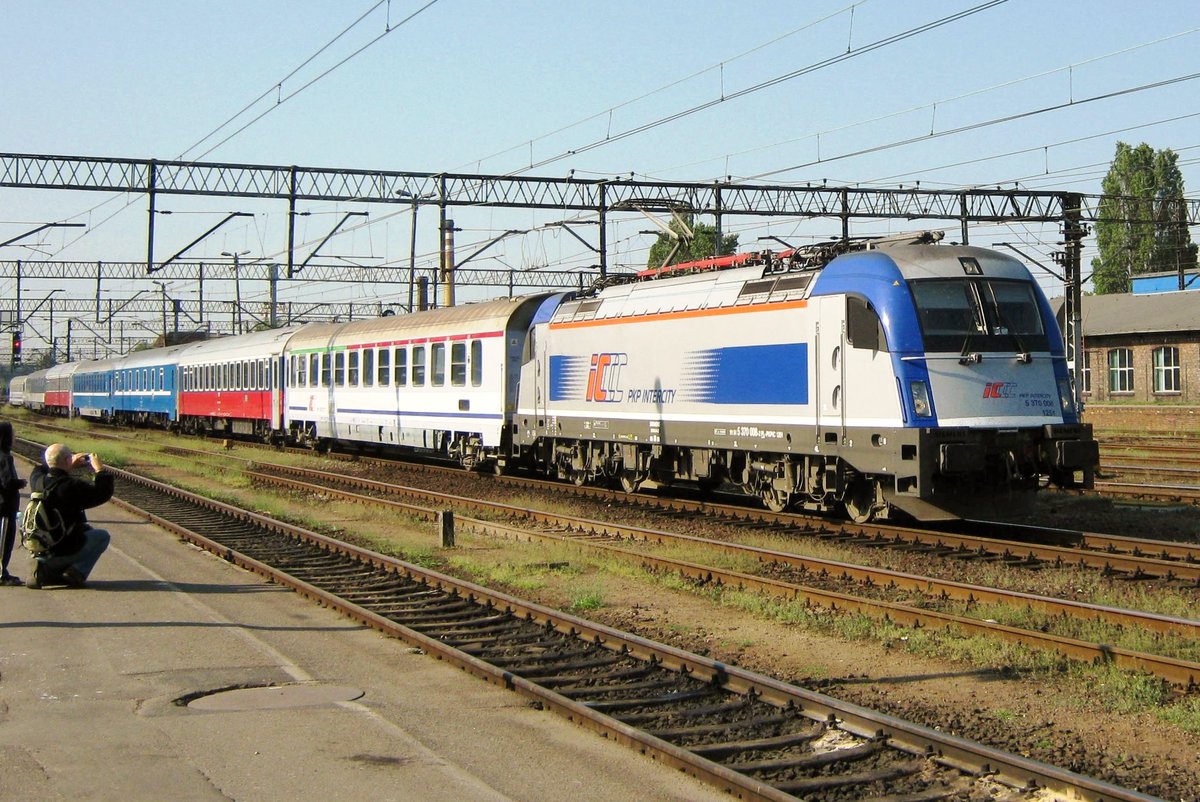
702 245
1143 219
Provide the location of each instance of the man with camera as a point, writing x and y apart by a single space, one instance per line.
70 560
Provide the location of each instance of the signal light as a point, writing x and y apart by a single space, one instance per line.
16 347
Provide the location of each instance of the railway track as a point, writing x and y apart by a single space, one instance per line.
808 579
755 737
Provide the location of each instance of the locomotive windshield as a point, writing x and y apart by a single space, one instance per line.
963 314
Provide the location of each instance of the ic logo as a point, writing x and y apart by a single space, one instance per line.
998 390
604 378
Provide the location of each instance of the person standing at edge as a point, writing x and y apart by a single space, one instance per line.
73 558
10 502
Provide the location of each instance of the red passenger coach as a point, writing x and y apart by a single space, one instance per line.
232 385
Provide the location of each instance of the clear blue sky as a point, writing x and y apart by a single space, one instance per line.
487 86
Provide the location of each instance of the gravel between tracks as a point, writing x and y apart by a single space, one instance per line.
1028 716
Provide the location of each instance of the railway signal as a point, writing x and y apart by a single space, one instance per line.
16 347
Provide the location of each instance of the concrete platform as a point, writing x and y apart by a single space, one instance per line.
88 678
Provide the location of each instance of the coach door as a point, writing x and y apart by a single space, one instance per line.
831 369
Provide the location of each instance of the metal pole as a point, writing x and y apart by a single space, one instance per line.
1073 232
412 255
272 314
291 221
151 181
717 219
603 230
237 290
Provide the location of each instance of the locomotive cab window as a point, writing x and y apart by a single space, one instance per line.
863 326
988 315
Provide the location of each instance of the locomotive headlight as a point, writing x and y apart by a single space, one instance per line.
920 396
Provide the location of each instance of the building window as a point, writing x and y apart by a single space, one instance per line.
1087 371
1166 369
1120 370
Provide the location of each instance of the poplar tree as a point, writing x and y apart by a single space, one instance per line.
1142 225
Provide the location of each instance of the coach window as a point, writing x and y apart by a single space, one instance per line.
418 366
368 367
384 366
339 369
1120 370
352 376
299 377
326 374
400 367
1166 369
437 356
476 363
458 364
314 369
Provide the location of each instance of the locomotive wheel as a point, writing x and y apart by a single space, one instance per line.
776 500
579 478
629 481
860 502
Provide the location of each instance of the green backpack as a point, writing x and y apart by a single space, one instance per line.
42 526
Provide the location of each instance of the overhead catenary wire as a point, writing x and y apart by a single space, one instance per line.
725 97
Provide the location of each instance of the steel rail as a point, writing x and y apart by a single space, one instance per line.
1174 560
1182 673
1012 770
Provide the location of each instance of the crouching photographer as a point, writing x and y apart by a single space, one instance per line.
66 495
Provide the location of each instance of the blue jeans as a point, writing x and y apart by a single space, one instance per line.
83 560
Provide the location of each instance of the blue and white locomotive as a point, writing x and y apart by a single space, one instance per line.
865 379
899 375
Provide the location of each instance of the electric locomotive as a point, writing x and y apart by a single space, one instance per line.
870 377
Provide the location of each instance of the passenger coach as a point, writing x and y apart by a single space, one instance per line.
234 385
442 380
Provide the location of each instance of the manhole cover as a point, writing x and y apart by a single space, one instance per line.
275 697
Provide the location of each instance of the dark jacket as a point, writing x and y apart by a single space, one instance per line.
71 496
10 482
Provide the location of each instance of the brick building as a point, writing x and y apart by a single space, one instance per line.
1140 349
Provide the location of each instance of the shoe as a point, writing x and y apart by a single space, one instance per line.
9 579
73 578
38 577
